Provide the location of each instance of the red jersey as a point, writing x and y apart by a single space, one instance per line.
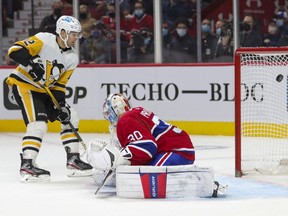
111 24
145 22
146 135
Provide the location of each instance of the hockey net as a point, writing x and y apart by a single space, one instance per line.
261 111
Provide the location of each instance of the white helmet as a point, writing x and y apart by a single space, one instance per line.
68 24
114 106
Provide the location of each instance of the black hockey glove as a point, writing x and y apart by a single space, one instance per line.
64 113
37 68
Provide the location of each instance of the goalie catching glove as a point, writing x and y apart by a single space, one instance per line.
105 156
37 68
64 113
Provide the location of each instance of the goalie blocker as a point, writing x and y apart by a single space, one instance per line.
166 182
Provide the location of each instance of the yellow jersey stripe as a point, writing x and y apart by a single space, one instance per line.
28 104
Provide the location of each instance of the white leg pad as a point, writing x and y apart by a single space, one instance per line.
37 129
164 182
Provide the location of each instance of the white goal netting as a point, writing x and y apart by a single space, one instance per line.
264 113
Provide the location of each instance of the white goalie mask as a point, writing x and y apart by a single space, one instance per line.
114 106
68 24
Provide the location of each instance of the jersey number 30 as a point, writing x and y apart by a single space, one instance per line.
136 135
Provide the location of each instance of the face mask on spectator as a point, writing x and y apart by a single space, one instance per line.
57 12
218 31
181 32
83 15
164 31
112 14
139 12
206 28
245 26
96 34
279 22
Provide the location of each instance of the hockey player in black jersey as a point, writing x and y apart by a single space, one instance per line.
47 59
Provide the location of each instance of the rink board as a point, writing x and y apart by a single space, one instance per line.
164 182
158 88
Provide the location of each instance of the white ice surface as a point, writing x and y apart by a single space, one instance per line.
63 196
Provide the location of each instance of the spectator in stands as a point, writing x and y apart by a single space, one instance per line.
48 23
166 34
7 9
180 8
148 5
193 6
182 47
125 10
68 3
209 41
110 21
141 46
4 25
96 48
281 21
250 36
100 9
165 9
125 7
224 49
282 24
110 28
86 22
166 30
68 7
90 3
218 27
141 19
271 39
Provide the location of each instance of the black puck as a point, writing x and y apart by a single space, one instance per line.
279 78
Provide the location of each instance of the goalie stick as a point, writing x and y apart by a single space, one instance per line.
105 179
55 102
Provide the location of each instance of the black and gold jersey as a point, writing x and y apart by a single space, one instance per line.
59 64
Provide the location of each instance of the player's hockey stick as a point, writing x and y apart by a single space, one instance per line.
106 178
55 102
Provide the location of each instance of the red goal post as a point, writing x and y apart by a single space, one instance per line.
261 110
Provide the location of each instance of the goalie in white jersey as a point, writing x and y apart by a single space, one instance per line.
47 59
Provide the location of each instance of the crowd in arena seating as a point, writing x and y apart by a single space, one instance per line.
98 21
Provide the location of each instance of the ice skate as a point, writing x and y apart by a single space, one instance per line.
75 166
29 172
219 190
